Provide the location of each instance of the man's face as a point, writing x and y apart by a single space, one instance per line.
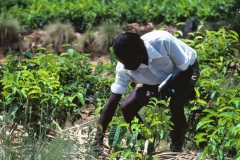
131 62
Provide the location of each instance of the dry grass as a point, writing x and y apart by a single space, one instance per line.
59 34
9 29
72 142
85 42
107 32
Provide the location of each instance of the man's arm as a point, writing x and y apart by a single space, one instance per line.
106 115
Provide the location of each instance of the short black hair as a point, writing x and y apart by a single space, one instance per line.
128 43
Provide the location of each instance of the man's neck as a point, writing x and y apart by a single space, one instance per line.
145 58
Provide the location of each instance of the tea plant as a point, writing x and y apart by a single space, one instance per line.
48 87
218 94
155 128
84 14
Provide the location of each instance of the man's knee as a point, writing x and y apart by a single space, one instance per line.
124 106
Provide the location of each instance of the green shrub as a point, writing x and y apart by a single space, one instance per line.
216 128
85 13
40 89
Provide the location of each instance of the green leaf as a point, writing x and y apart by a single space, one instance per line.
44 100
197 92
70 99
127 153
24 67
14 110
226 108
96 94
138 156
43 72
215 137
129 139
71 52
237 132
34 91
236 101
199 140
24 93
124 125
115 154
180 23
235 33
198 37
156 123
114 135
201 102
63 54
162 102
238 145
229 143
234 37
61 95
41 48
81 98
66 45
7 86
179 32
73 105
202 123
200 135
35 61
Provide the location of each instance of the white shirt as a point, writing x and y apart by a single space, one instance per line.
166 55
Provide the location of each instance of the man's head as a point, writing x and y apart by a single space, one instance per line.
129 49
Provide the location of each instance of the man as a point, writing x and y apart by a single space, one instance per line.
148 60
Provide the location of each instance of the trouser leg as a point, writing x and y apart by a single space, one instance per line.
139 97
177 107
131 106
177 114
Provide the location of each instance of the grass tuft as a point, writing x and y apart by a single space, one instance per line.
108 31
9 29
59 34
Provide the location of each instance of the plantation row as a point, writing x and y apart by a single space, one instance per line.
87 13
48 87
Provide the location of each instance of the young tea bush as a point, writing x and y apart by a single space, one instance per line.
37 90
86 13
218 94
156 127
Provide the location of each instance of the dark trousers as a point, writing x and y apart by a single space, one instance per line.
140 97
133 104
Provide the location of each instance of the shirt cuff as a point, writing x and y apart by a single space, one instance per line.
115 88
184 66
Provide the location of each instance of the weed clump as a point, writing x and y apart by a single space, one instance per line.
59 34
9 29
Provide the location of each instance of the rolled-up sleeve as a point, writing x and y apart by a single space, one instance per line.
120 86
